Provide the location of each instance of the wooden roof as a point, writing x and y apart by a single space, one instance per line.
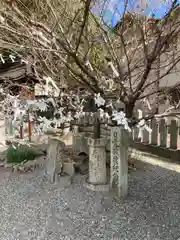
16 72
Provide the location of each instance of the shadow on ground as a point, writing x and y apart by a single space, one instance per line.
31 208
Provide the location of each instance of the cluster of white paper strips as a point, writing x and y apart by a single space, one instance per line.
121 119
31 106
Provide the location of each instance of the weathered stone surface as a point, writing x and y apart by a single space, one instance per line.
40 139
97 161
55 158
59 161
80 143
119 161
97 188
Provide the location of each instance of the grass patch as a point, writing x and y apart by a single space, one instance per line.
20 154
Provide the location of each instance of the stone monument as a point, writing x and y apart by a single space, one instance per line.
119 161
97 180
55 158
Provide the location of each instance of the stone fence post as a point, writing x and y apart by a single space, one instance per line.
119 161
97 161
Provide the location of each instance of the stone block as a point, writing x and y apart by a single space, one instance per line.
97 188
55 158
119 161
79 143
97 161
99 142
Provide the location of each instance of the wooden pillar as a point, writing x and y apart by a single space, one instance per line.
29 127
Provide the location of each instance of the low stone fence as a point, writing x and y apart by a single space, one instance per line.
118 143
163 141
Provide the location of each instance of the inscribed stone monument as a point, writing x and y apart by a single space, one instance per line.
55 158
119 161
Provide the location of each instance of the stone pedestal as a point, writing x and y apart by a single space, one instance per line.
97 161
119 161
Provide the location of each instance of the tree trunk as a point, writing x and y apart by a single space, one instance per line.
129 108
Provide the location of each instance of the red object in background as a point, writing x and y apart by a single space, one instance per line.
29 128
26 93
21 131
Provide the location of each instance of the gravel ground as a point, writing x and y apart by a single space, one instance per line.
31 208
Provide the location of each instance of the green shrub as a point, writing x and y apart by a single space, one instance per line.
20 154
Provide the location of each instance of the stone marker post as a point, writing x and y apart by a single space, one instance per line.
55 158
119 161
97 161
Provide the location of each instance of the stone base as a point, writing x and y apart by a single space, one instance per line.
97 187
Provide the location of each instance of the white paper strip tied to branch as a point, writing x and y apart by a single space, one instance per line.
12 57
38 104
31 117
69 117
2 19
78 115
88 64
101 113
42 105
142 126
45 124
116 74
24 61
99 101
2 59
146 101
121 119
